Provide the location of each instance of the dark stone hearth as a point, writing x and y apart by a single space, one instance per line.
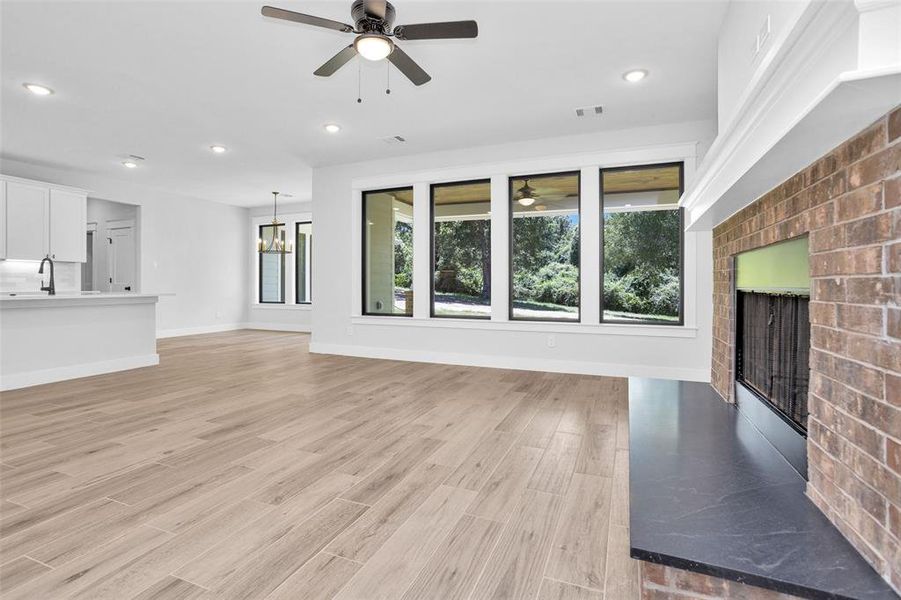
709 494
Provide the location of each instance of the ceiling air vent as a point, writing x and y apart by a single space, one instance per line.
590 111
394 139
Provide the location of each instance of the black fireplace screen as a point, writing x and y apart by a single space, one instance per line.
773 349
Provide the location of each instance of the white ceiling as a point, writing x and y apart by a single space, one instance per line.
165 80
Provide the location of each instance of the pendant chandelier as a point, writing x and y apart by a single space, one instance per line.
274 245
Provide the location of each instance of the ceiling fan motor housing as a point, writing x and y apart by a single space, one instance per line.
368 18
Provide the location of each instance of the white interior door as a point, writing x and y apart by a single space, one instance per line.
121 256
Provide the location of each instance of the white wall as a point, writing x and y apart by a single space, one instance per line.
661 351
192 248
738 59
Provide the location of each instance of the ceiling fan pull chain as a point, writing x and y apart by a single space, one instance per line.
387 77
359 84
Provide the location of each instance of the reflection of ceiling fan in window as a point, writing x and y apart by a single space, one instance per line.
373 19
526 195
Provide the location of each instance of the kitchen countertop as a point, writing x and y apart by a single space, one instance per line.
10 300
709 494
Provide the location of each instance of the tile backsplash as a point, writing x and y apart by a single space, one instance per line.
22 276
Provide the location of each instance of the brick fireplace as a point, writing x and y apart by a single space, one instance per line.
849 203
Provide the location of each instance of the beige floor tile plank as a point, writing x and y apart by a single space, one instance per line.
557 464
598 451
521 414
478 466
540 430
374 486
69 580
558 590
453 569
500 495
224 559
619 499
579 552
263 572
319 579
622 571
394 567
515 567
290 484
18 572
142 572
173 588
361 540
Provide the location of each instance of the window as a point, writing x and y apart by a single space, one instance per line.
544 247
388 252
461 250
641 241
272 267
303 262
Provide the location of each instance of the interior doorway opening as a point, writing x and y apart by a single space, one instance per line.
112 247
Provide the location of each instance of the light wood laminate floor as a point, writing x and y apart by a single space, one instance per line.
245 467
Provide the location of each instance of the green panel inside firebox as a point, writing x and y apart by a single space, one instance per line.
778 268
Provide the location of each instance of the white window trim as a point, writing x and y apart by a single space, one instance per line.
290 220
590 165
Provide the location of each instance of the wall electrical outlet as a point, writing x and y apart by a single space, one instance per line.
350 330
552 341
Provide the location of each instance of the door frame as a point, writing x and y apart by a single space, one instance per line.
110 225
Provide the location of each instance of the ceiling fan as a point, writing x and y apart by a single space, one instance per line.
373 19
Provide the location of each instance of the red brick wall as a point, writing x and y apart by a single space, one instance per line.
849 202
667 583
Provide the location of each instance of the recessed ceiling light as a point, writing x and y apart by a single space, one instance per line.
217 149
37 89
332 127
635 76
129 164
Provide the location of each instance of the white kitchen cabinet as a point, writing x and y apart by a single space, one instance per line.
41 219
27 233
68 222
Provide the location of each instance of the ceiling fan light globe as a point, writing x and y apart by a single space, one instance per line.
527 201
373 47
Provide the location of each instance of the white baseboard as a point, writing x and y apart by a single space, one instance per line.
278 327
515 362
30 378
169 333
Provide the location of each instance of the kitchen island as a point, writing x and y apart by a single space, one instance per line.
53 338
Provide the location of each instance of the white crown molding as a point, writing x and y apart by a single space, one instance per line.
728 158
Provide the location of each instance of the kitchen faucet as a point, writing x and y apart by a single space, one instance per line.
50 289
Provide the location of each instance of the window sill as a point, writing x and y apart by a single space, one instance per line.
273 306
669 331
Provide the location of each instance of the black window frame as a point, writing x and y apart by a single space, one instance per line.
510 194
432 248
260 267
297 225
681 212
363 241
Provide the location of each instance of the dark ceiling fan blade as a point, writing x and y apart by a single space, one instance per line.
408 67
336 62
290 15
437 31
